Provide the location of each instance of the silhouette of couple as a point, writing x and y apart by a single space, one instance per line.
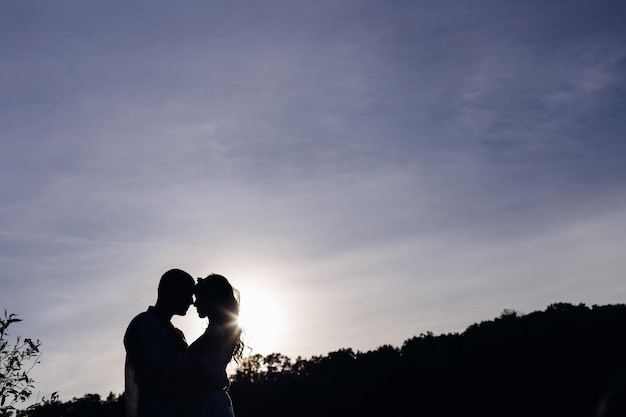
164 377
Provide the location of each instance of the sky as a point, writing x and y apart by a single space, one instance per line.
363 171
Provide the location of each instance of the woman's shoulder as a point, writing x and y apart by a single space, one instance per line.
214 332
211 336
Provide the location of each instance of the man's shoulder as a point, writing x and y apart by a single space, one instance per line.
142 319
144 314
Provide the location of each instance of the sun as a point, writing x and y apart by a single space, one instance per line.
261 320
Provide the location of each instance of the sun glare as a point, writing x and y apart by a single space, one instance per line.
261 320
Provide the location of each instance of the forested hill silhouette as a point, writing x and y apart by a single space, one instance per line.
569 360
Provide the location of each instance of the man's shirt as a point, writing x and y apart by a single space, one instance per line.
154 366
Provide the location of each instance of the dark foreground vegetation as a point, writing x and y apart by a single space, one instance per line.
569 360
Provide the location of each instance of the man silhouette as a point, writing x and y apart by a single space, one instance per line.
153 374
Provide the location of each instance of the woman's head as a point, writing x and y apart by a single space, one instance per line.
217 299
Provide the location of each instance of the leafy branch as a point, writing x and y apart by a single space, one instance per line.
16 362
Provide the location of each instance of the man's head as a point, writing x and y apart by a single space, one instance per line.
175 293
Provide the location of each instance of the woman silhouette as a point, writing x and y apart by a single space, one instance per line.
221 342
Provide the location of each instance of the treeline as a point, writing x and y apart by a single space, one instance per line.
569 360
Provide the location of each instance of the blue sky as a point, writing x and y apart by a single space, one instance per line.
363 171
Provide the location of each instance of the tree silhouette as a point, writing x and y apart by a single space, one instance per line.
16 361
567 360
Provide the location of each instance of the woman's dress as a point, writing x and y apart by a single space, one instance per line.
210 355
